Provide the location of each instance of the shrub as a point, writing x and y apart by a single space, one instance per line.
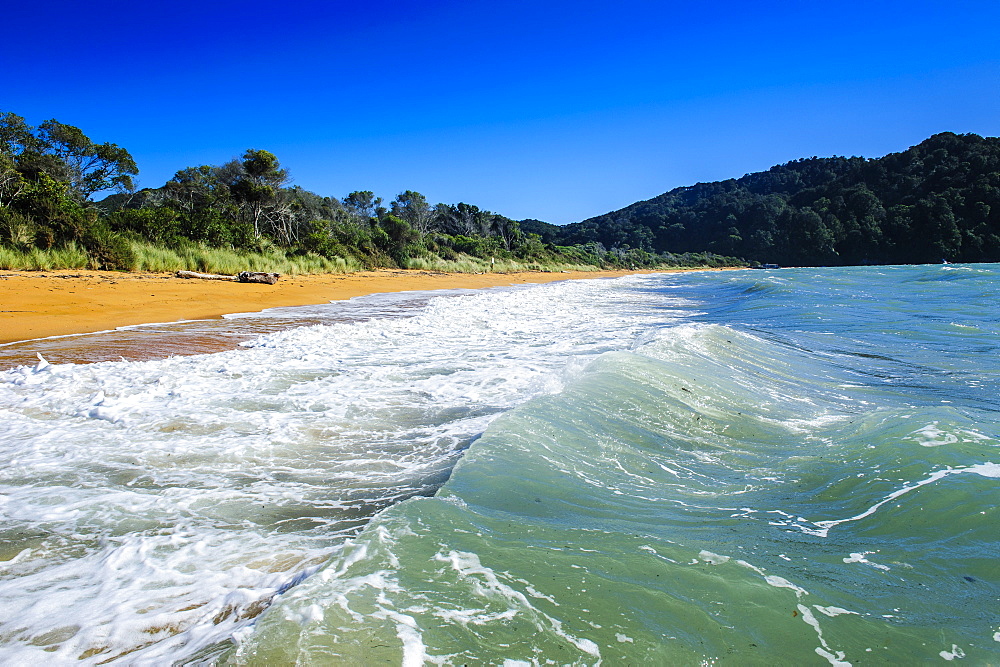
109 251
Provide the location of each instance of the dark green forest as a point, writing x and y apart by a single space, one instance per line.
246 214
939 200
69 202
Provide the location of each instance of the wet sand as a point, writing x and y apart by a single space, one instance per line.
54 303
36 305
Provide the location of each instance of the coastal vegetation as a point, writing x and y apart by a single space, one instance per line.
938 200
246 215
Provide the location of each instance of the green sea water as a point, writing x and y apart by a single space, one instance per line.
803 469
785 467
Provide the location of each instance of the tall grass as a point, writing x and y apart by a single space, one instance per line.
230 262
69 256
148 257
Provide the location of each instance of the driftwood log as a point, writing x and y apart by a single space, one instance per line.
241 277
257 277
203 276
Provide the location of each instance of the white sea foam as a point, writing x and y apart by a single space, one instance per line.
833 611
823 527
861 557
173 500
711 558
932 436
985 469
955 652
835 658
164 503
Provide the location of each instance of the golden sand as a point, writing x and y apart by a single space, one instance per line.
53 303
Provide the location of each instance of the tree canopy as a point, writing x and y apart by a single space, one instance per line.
247 207
66 154
939 200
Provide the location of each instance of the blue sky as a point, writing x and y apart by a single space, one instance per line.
554 110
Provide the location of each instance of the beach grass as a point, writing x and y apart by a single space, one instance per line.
148 257
69 256
230 262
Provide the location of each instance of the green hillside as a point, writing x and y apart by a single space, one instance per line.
939 200
57 211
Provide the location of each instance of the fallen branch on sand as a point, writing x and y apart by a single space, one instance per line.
241 277
203 276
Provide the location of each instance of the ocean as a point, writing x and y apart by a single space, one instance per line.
781 467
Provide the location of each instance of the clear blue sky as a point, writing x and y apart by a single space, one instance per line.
555 110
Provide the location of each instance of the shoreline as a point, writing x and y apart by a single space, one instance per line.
42 305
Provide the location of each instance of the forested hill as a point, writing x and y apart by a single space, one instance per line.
245 215
939 200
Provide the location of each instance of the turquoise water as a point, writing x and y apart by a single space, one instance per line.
804 470
752 467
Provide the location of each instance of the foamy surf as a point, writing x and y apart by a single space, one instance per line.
739 493
152 509
793 467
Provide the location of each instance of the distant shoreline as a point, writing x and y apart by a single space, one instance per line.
37 305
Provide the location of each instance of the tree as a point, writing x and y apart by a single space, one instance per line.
88 167
16 136
194 189
208 211
471 220
935 224
12 184
362 205
506 229
66 154
256 184
16 140
413 207
401 237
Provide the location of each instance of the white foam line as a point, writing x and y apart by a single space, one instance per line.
859 557
252 313
824 650
127 327
955 652
467 564
984 469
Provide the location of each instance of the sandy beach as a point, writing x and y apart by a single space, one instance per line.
54 303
